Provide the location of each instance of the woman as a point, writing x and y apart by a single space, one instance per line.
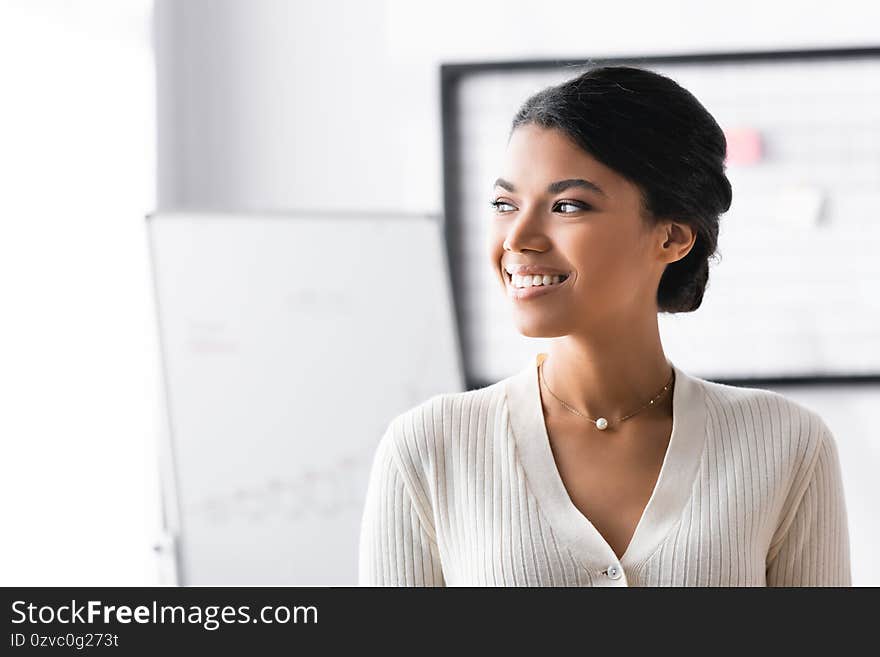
601 463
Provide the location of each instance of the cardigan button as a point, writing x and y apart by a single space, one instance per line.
613 571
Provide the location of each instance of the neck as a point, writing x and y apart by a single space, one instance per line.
610 376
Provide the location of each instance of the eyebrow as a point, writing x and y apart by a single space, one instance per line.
558 186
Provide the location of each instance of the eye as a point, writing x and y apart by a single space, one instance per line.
496 204
577 206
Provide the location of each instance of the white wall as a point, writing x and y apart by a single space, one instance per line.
273 105
78 385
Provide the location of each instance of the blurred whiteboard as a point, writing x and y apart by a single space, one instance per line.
289 342
795 293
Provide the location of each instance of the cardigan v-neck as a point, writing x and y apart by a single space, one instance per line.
671 490
464 491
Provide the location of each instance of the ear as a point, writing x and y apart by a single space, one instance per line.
678 241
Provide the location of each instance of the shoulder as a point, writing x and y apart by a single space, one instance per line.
419 442
767 419
423 431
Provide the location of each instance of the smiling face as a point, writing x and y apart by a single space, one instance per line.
561 211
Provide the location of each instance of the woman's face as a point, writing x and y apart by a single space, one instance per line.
589 230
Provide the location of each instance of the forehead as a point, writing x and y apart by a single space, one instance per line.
536 156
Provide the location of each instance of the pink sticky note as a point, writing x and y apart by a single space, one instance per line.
743 145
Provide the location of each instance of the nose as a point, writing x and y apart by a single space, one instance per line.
526 233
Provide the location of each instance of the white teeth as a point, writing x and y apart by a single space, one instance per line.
534 281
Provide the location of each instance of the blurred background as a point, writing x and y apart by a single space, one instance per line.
193 190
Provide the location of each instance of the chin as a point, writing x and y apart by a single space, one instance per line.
539 330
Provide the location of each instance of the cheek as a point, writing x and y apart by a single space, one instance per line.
592 253
607 270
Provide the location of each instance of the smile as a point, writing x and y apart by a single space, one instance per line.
525 291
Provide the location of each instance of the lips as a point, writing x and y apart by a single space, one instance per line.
533 291
533 270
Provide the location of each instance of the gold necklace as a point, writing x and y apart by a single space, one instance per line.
602 423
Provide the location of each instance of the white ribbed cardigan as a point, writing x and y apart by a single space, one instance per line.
464 491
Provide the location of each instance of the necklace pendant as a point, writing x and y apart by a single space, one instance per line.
602 424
